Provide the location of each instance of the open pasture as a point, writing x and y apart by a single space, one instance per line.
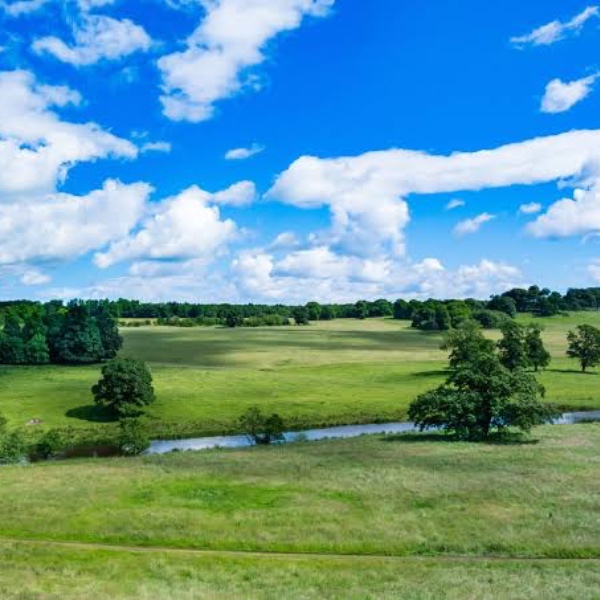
337 372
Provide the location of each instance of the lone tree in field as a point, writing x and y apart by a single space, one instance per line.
512 346
480 395
125 387
537 354
585 346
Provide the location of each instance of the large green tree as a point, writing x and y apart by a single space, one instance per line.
584 345
512 346
125 387
78 340
480 395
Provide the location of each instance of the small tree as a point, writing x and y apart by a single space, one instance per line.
260 429
512 346
133 439
584 345
537 354
125 387
464 342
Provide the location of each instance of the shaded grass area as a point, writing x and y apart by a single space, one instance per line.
331 373
29 572
398 496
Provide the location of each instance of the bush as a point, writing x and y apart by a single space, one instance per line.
260 429
13 448
133 439
49 444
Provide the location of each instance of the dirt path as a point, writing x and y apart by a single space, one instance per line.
284 555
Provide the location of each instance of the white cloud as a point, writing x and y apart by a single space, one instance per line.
366 194
469 226
244 153
530 209
561 97
320 274
239 194
63 226
455 203
37 148
594 271
183 227
579 215
220 54
556 30
156 147
97 38
22 7
34 277
285 240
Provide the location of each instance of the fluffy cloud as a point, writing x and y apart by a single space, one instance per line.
594 271
244 153
556 30
37 148
320 274
366 194
62 226
183 227
469 226
530 209
229 41
456 203
22 7
34 277
97 38
579 215
561 97
156 147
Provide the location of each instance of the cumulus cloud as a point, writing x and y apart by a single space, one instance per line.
579 215
366 194
33 277
561 97
96 38
183 227
530 209
63 226
244 153
556 30
455 203
320 274
37 148
594 271
218 60
469 226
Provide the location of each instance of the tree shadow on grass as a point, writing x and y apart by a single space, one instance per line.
93 413
571 371
431 374
504 439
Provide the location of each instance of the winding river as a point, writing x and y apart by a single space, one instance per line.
347 431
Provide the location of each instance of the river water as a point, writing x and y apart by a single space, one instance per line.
347 431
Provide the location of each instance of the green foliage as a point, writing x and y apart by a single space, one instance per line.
361 310
300 315
490 319
12 350
78 341
110 338
125 387
133 439
51 443
503 304
480 394
537 354
36 350
584 345
512 346
260 429
402 310
13 447
314 311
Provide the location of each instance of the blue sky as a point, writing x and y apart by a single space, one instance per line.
289 150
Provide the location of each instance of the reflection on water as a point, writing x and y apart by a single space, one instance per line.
347 431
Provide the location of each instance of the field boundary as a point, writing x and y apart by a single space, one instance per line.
278 555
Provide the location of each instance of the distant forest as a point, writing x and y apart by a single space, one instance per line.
86 331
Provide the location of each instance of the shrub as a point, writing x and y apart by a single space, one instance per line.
260 429
133 439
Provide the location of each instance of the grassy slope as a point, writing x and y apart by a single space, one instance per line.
385 496
339 372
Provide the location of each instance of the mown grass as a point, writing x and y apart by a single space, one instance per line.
376 495
32 572
338 372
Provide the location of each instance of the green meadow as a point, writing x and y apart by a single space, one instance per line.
337 372
374 517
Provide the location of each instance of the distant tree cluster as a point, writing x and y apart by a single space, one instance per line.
34 334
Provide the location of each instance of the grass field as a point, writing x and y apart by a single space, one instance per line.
375 517
338 372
